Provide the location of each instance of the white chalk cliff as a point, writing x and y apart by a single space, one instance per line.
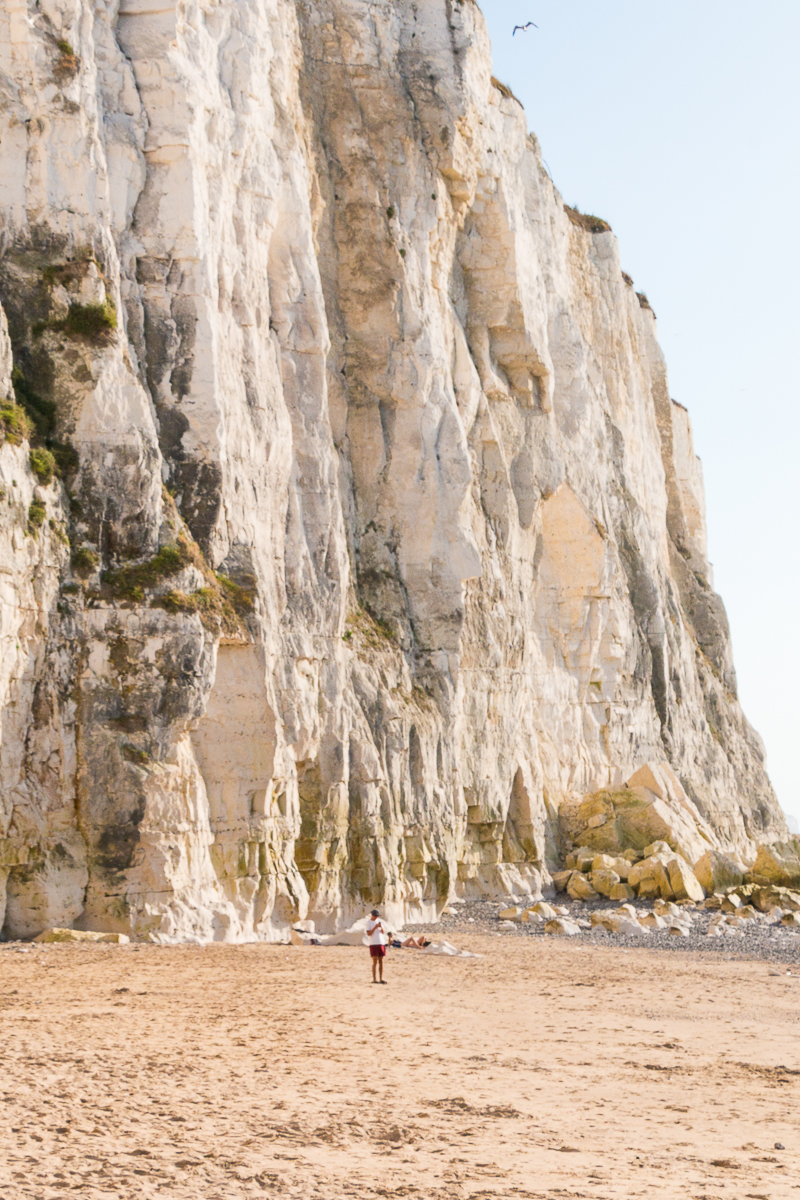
375 537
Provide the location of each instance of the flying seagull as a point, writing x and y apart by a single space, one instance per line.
524 27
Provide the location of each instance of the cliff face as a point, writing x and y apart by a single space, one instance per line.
375 536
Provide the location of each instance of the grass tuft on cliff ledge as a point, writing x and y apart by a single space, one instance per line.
15 425
587 221
43 465
92 321
130 583
36 515
240 598
505 91
374 632
84 561
220 604
67 64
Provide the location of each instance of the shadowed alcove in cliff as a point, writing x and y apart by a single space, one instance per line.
235 740
519 842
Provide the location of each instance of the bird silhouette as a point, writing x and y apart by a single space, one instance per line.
524 27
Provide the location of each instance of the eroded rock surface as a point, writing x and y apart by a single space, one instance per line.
376 537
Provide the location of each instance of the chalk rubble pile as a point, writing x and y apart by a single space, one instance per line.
613 863
750 905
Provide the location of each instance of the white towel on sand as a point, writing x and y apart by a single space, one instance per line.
449 950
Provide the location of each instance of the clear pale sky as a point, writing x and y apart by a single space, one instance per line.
678 123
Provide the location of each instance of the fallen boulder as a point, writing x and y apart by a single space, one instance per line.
618 921
666 875
609 862
635 817
601 916
631 928
748 912
510 914
81 935
779 863
653 921
603 881
579 887
660 779
765 898
601 862
584 857
683 881
562 927
650 878
716 871
657 848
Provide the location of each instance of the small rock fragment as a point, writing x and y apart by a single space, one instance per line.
584 859
510 914
653 921
561 927
658 848
631 928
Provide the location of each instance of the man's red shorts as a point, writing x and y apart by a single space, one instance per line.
377 951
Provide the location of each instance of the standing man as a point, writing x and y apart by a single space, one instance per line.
377 945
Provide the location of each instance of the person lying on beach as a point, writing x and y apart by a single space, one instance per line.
410 943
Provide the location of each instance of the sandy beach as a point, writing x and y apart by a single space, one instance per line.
542 1069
